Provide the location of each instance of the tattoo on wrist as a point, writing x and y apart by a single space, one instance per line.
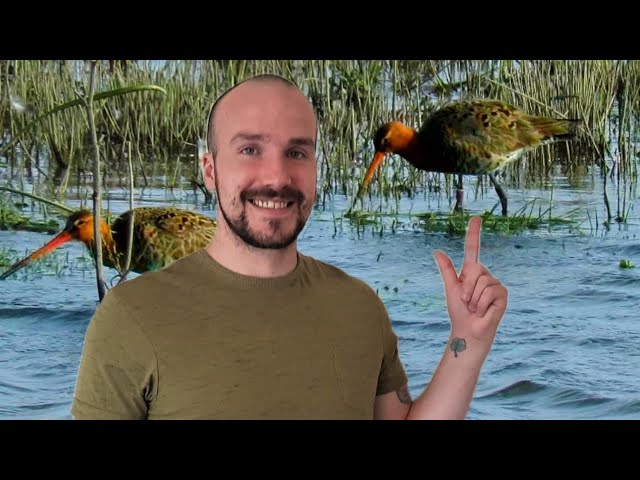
457 345
404 395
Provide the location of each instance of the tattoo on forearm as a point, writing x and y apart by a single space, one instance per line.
458 345
404 395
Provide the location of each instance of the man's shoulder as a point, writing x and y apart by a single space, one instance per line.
149 297
352 296
153 282
327 271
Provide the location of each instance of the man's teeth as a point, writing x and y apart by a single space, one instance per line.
269 204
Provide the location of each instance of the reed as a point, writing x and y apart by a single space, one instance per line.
11 219
51 156
532 216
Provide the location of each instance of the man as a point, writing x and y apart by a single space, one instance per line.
250 327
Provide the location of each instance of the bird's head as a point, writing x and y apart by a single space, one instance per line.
385 137
392 137
79 227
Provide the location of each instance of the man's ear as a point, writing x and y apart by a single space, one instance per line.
208 172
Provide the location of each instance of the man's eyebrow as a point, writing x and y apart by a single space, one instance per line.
303 141
257 137
251 137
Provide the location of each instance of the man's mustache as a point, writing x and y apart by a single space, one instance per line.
289 194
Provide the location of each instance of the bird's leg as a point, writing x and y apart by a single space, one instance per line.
459 195
501 194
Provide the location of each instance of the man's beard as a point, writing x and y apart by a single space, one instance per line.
240 226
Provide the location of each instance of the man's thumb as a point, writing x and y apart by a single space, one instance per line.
447 271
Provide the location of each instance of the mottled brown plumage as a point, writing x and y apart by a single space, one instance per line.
160 236
468 138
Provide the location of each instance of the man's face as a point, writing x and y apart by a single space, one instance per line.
264 172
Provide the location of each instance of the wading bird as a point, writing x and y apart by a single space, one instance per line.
468 138
160 236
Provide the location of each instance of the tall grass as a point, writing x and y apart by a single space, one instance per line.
352 97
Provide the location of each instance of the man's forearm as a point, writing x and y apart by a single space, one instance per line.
449 394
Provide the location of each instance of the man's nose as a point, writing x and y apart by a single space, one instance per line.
276 170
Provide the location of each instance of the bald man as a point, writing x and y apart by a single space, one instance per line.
249 327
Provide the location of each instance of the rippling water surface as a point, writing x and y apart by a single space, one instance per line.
568 346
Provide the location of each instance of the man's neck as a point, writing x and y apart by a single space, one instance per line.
233 254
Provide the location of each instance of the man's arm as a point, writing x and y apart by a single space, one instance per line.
449 393
476 302
393 405
117 373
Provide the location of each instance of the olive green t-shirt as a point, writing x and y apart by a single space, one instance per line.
198 341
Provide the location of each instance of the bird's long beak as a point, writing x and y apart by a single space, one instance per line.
58 240
377 160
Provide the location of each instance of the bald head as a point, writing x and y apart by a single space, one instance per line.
262 162
248 85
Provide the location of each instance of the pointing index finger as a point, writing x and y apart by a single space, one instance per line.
472 243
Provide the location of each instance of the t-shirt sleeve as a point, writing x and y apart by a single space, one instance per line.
117 375
392 373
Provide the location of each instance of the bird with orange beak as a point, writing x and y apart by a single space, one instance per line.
160 236
468 138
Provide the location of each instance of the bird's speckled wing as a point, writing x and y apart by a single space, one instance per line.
480 135
163 235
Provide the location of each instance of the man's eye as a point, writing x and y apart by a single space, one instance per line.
297 154
248 151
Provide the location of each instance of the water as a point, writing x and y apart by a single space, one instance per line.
567 347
